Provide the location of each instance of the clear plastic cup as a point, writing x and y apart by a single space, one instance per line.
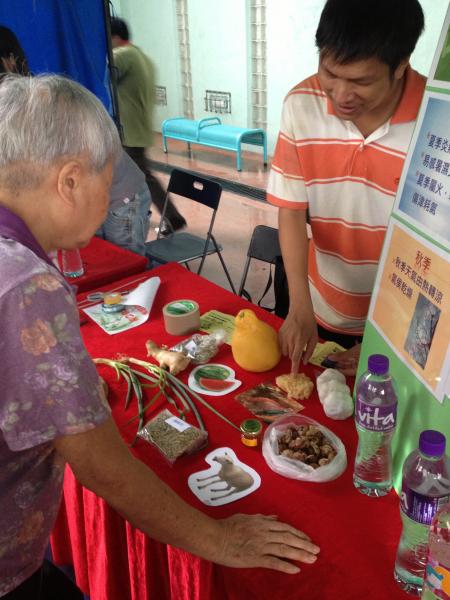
71 263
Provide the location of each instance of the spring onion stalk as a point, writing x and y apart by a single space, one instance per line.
211 408
182 393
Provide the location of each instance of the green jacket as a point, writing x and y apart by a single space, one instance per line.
136 92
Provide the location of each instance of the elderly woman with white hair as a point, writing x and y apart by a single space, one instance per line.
58 147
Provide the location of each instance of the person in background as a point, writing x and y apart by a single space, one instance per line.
127 222
12 56
343 140
54 193
136 91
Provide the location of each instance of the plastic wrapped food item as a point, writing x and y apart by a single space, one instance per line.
334 394
201 348
301 448
338 405
172 436
327 376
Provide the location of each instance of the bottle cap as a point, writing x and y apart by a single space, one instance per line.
378 364
432 443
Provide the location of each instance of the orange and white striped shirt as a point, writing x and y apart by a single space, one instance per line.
349 183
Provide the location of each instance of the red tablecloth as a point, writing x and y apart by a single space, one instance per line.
104 263
113 561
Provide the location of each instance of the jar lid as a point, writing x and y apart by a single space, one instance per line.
112 308
378 364
432 443
252 426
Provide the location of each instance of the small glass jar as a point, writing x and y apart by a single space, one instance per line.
112 298
251 432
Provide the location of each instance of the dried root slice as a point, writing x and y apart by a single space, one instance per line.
297 386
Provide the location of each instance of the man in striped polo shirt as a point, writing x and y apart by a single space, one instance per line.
342 143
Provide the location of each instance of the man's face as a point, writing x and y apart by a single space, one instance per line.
359 88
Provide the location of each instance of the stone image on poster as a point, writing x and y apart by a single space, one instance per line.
421 330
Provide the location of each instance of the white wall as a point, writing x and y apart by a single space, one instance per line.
291 52
218 40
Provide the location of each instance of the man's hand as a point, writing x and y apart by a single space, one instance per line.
347 361
298 337
262 541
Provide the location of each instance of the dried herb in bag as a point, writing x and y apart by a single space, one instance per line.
172 436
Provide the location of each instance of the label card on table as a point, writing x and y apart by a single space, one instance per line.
214 320
137 307
322 350
227 479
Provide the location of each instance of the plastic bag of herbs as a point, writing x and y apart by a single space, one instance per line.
172 436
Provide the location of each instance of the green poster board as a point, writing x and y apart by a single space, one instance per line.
409 315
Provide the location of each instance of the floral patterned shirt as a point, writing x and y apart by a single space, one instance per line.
49 387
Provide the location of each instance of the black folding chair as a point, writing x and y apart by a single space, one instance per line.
265 246
184 247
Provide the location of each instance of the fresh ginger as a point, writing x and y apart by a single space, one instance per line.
175 362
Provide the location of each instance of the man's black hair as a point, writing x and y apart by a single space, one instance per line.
352 30
120 28
10 47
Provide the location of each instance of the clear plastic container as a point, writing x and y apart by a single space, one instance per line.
375 417
425 489
71 263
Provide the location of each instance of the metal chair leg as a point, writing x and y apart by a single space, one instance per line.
226 271
244 276
202 262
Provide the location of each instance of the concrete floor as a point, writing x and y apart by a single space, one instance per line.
237 215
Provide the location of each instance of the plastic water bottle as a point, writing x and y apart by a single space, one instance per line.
437 573
425 489
375 416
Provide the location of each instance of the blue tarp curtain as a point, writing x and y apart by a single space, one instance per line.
63 36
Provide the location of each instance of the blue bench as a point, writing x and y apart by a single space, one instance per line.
211 132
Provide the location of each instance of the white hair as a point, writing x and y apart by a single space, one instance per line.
47 118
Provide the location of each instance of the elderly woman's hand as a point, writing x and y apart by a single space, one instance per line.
263 541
